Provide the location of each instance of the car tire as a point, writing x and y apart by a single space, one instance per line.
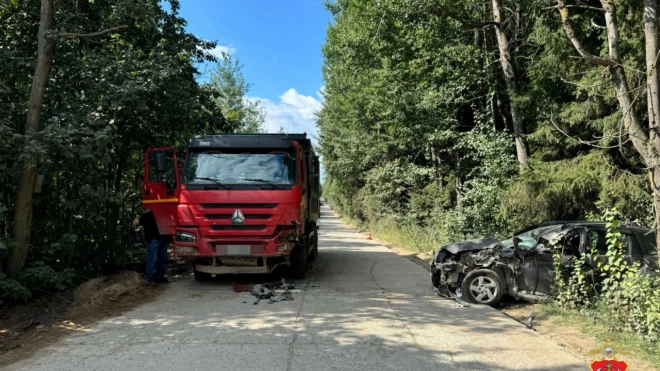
482 287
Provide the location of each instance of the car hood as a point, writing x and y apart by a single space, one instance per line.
471 245
548 234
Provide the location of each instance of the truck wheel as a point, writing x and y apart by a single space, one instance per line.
314 248
298 262
201 276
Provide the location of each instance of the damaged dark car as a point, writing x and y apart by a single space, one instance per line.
482 271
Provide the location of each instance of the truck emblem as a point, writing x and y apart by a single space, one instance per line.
237 217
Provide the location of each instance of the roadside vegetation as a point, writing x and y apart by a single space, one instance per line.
448 120
614 299
80 101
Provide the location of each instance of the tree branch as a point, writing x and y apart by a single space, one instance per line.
570 33
579 6
467 24
71 35
596 25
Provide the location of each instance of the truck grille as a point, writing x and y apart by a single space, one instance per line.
228 216
238 227
239 206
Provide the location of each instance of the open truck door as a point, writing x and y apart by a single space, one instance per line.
160 191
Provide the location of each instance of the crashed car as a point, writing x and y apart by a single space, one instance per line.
481 271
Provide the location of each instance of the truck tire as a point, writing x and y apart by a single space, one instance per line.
298 262
314 246
201 276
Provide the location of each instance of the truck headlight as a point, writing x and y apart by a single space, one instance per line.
185 237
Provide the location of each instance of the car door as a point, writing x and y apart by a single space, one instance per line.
161 187
573 243
632 251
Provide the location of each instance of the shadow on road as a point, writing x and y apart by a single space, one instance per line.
362 307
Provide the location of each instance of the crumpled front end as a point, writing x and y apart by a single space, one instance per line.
452 263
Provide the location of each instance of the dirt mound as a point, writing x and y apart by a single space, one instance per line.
101 295
109 288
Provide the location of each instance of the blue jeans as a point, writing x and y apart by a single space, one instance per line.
156 249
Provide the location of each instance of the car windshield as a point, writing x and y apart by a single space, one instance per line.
529 238
212 167
648 243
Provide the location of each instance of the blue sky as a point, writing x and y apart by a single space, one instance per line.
279 44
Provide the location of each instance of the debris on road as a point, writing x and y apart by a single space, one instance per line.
238 287
529 323
267 291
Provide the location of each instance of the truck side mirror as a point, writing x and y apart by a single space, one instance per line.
159 165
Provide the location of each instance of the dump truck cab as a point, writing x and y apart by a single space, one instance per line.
241 203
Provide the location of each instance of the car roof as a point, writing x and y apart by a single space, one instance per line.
582 223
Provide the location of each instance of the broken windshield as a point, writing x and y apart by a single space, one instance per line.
209 167
531 238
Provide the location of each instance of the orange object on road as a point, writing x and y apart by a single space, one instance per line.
369 234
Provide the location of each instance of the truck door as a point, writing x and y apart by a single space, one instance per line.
160 191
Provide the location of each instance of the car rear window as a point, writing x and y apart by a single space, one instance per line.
648 243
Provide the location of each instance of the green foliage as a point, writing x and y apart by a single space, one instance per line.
12 291
231 88
629 297
39 276
575 288
615 269
109 98
633 299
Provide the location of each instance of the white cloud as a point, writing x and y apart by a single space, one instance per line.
218 50
294 112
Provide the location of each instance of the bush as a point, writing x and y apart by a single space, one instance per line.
630 297
12 291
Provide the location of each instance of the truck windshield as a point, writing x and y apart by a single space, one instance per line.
209 167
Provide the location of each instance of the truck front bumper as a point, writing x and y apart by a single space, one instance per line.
191 243
214 269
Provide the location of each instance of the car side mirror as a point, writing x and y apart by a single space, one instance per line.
159 163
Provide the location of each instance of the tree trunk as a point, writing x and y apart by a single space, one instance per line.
653 96
23 213
651 35
72 194
512 85
113 216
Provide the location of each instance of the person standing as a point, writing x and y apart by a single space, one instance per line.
156 248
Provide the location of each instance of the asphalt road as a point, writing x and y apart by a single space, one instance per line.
362 307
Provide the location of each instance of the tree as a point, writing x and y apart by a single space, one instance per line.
647 145
109 98
23 213
229 83
475 20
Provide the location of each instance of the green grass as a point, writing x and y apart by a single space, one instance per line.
410 238
598 324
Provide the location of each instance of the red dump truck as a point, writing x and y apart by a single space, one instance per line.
244 203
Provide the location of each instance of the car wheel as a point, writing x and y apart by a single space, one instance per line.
482 287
